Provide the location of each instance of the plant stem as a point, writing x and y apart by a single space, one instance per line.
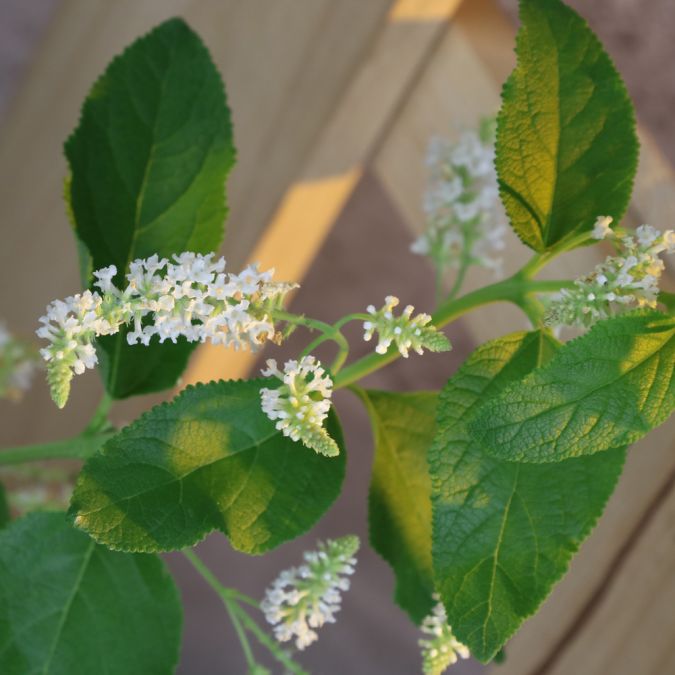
515 290
79 447
459 280
229 602
99 420
328 331
266 641
300 320
540 260
241 634
239 616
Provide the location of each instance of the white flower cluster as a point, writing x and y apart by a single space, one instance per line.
18 363
405 331
442 649
620 283
304 598
301 403
465 220
190 297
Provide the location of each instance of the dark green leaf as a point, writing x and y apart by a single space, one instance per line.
504 532
209 460
399 503
70 606
603 390
4 507
566 145
130 370
148 161
668 300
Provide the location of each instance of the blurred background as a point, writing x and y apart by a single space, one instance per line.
333 106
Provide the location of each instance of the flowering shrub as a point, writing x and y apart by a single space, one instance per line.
480 493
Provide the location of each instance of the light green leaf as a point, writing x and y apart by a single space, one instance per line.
603 390
209 460
4 507
70 606
504 532
399 505
148 161
566 148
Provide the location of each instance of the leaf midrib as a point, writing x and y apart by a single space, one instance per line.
68 606
495 559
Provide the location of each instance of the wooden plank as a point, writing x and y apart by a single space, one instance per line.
311 205
631 627
460 85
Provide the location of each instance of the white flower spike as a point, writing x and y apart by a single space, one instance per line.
627 281
441 649
191 298
466 222
304 598
301 404
405 331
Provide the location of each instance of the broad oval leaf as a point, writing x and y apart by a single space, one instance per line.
68 605
504 532
603 390
148 163
208 460
399 503
566 148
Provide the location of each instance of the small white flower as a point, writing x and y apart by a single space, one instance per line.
188 298
405 331
647 235
305 598
621 282
300 405
602 227
442 649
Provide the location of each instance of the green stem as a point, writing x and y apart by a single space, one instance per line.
99 420
266 641
515 290
438 283
228 600
239 616
540 260
328 333
79 447
241 634
300 320
459 280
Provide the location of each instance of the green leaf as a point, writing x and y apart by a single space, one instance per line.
149 160
668 300
4 507
504 532
399 504
131 370
566 148
209 460
603 390
70 606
